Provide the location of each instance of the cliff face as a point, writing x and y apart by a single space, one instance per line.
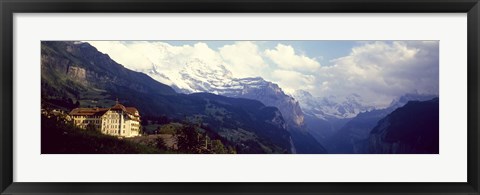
197 76
413 128
272 95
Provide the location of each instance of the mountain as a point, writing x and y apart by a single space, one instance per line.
198 76
325 115
78 72
342 124
411 129
402 100
330 106
350 137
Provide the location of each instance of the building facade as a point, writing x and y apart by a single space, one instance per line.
117 121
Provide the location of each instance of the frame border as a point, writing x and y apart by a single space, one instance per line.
9 7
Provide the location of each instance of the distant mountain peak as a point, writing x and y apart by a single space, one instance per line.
200 69
331 106
201 77
301 93
404 99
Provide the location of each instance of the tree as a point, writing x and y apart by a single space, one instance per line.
160 143
144 122
140 130
188 139
77 104
218 147
231 150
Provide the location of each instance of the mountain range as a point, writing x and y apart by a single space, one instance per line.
331 106
78 72
411 129
350 137
252 114
325 115
198 76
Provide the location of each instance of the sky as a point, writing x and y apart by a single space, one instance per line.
378 71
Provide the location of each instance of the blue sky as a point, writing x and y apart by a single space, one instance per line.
378 71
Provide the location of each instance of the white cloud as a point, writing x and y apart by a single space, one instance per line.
286 58
165 58
127 56
243 59
291 80
142 55
380 71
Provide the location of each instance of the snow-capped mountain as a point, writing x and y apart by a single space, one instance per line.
271 95
197 76
330 106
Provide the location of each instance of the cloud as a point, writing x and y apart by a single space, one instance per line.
291 80
380 71
376 70
143 55
122 54
286 58
169 60
243 59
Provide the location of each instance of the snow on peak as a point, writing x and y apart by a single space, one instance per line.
331 106
202 77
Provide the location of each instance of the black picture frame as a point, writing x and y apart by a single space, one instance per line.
9 7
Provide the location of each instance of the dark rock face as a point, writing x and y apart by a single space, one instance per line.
411 129
84 64
351 137
271 95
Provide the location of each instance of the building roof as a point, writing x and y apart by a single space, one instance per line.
101 111
88 111
118 107
132 110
